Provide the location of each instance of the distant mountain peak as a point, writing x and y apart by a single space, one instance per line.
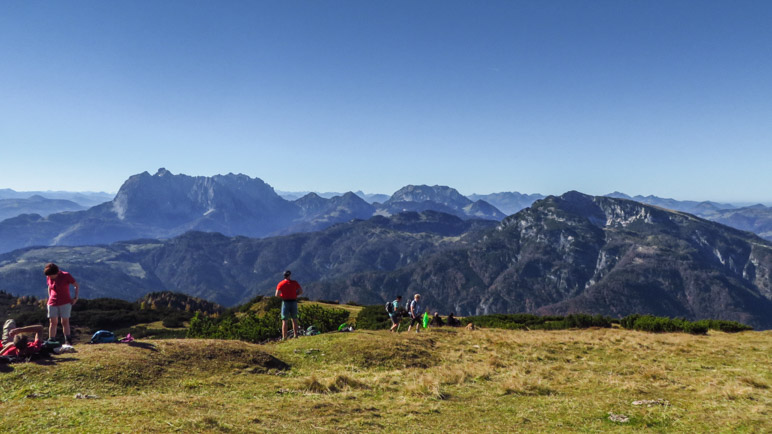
619 195
437 193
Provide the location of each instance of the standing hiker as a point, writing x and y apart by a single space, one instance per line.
415 313
288 290
394 314
59 301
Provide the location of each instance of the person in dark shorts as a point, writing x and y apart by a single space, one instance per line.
289 291
415 313
395 315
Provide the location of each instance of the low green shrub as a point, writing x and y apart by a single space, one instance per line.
535 322
725 326
658 324
254 327
373 317
176 319
323 318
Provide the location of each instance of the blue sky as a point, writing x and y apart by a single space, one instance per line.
672 98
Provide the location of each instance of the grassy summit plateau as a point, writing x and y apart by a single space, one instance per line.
441 380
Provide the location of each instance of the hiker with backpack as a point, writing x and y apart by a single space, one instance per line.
59 301
415 313
392 307
288 290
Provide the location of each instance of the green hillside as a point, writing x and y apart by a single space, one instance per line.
485 380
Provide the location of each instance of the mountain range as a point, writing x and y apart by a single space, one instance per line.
232 270
85 199
578 253
367 197
165 205
756 218
564 254
36 204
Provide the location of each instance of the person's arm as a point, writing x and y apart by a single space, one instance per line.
28 329
300 290
77 290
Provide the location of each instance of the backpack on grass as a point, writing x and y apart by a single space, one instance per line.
103 337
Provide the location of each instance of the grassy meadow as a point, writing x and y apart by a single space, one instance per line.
441 380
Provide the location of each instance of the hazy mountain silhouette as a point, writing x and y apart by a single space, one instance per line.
508 202
35 205
438 198
165 205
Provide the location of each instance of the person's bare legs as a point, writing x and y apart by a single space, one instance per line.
54 322
283 329
295 326
66 330
66 326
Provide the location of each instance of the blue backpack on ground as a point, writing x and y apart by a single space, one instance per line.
103 337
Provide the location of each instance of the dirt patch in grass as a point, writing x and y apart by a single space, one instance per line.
217 356
144 363
393 355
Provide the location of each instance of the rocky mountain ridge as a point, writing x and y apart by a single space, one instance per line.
564 254
578 253
165 205
231 270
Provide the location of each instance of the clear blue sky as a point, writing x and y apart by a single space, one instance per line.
672 98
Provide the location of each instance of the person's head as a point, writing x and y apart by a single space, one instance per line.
417 296
51 270
20 342
399 297
287 274
451 314
436 314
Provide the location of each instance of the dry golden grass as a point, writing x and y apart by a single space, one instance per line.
457 380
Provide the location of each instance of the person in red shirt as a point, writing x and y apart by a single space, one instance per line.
288 290
21 345
59 301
